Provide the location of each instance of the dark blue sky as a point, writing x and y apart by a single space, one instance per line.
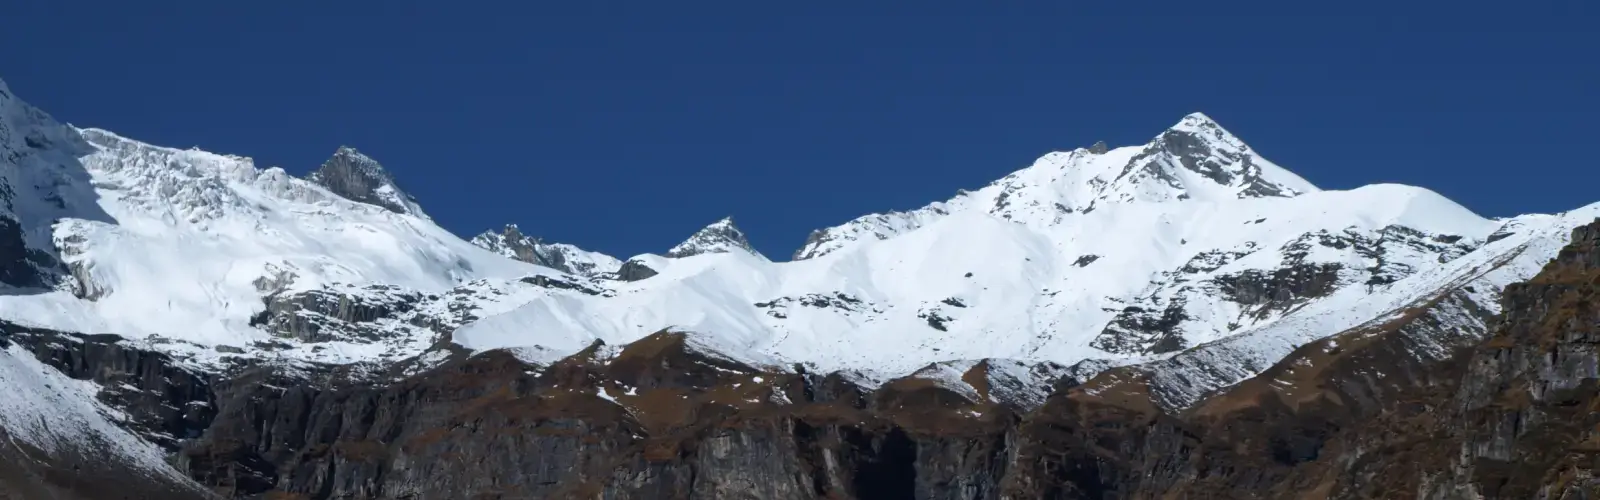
625 126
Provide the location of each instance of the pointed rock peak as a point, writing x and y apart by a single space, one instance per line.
1199 145
357 177
508 233
506 241
1099 148
1199 127
719 237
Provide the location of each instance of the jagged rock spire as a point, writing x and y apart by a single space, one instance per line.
357 177
719 237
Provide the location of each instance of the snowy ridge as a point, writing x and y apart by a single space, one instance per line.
511 242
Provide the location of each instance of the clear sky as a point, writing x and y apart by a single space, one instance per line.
625 126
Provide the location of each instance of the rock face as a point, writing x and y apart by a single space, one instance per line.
360 178
1524 418
322 315
659 418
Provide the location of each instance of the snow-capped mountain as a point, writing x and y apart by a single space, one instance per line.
1129 254
1123 253
1180 266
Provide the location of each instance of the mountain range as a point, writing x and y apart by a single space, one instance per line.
179 323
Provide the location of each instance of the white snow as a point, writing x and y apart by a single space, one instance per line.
60 416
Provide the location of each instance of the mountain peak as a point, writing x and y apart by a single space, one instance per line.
1199 145
357 177
721 236
1196 120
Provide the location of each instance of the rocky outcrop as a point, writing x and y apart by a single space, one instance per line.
359 178
339 313
1266 293
511 242
635 270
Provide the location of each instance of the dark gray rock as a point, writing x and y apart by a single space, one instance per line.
635 270
1137 330
359 178
330 314
22 266
1266 293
